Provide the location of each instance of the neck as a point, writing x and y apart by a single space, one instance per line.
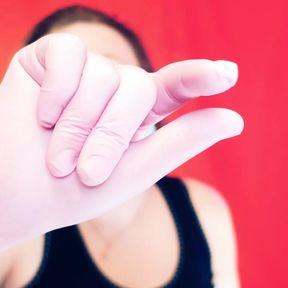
114 222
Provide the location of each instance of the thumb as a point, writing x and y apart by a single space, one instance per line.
149 160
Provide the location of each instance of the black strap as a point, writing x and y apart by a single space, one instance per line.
195 267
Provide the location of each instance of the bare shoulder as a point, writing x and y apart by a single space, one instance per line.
216 220
207 198
22 262
6 261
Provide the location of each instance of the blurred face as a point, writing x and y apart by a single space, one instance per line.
101 39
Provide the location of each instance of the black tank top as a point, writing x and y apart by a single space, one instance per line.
66 262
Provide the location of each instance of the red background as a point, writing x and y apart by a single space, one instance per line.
251 170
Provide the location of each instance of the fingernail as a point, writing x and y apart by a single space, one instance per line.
63 163
228 70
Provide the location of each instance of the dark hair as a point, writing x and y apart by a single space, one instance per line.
73 14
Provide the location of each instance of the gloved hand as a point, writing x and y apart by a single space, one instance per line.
75 90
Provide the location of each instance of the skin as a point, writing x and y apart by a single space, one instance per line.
122 232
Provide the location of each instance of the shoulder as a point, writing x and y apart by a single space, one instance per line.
216 220
6 260
24 261
209 204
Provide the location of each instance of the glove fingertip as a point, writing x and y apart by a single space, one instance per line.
90 173
62 164
47 118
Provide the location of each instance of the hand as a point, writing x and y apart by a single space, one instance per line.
112 106
32 201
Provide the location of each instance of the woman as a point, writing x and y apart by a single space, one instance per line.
178 233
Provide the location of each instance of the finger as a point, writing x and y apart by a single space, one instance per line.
125 112
55 62
99 82
182 81
149 160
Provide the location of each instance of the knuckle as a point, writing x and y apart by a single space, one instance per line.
68 41
116 138
99 67
73 126
139 80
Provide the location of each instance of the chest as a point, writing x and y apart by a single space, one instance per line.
145 255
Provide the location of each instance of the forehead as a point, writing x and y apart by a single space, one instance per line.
102 39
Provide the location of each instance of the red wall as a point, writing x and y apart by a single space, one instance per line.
251 170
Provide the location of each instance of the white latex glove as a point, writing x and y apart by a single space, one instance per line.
74 89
